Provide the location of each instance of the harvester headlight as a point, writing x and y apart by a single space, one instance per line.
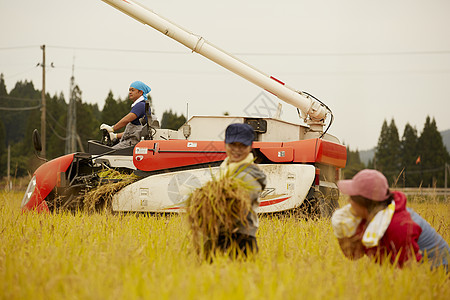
29 191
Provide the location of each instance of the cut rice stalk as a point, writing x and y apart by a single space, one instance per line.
217 208
100 197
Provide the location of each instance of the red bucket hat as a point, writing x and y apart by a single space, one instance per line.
370 184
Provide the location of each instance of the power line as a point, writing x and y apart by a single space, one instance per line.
393 53
190 72
386 53
55 133
306 54
54 119
18 47
20 108
20 73
119 50
382 53
18 98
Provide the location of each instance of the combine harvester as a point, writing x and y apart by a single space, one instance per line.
302 162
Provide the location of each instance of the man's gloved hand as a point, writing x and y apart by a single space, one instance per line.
107 127
113 136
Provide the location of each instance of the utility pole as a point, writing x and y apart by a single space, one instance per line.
71 131
43 104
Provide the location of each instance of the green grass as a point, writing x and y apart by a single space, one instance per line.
102 256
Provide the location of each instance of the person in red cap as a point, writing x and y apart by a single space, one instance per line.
377 222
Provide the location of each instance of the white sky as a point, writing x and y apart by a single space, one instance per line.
367 60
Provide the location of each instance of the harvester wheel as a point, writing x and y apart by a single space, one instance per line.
327 202
309 209
318 204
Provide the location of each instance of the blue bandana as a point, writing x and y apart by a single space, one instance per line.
139 85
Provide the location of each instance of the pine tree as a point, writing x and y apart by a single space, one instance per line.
22 95
87 124
395 152
56 125
171 120
17 122
381 152
433 155
410 156
114 110
387 154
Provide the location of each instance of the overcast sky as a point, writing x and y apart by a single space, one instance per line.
369 61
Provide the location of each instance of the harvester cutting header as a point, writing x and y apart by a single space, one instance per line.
302 162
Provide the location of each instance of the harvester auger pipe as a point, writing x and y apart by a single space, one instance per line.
309 107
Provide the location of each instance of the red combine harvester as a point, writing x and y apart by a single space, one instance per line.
302 162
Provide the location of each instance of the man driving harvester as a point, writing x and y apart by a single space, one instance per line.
138 94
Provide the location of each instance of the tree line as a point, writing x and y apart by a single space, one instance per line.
20 114
414 160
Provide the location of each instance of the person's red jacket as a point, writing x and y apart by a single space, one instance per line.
400 237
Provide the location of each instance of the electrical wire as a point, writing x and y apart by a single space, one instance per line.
437 52
431 52
20 108
118 50
55 133
19 47
20 73
18 98
54 119
386 53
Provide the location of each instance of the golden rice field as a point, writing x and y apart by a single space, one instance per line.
103 256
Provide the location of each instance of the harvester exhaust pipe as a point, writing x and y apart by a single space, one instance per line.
309 107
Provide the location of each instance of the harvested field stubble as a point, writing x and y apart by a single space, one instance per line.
104 256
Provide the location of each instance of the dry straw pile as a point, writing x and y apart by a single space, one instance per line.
218 207
100 197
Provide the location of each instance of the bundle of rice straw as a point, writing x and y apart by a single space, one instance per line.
100 197
218 207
